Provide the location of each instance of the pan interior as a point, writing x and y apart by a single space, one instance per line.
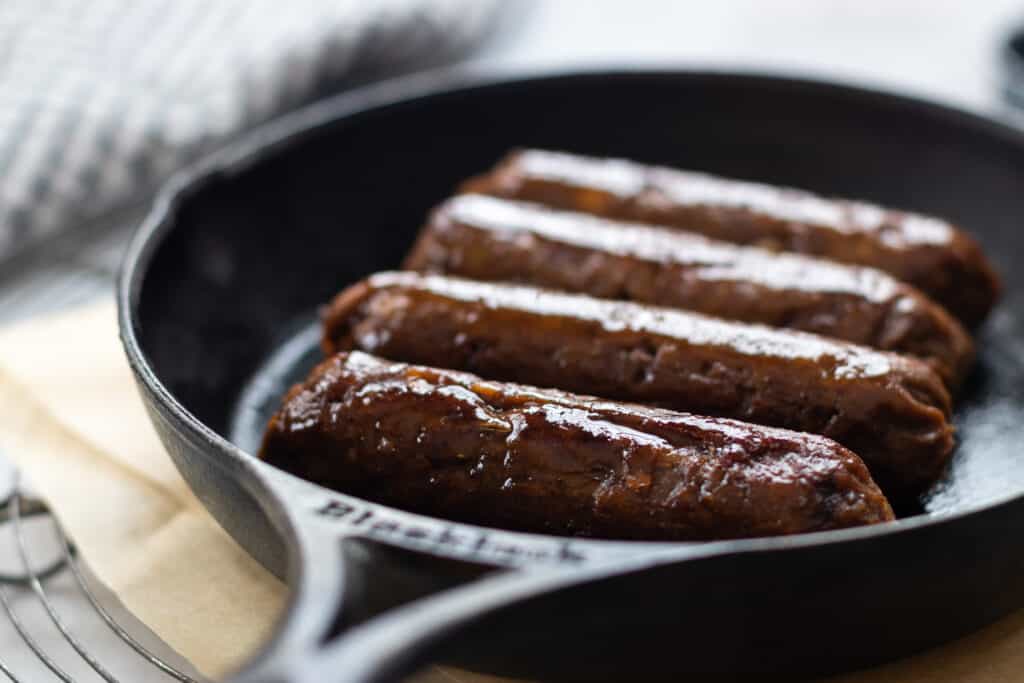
227 306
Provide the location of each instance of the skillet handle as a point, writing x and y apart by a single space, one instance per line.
398 643
351 563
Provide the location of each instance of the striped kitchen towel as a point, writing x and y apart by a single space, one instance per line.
101 99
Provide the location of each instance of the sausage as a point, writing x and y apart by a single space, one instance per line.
891 410
485 238
451 445
933 255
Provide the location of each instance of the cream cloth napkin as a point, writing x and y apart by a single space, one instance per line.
72 421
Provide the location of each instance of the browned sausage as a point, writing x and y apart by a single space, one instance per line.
451 445
485 238
931 254
891 410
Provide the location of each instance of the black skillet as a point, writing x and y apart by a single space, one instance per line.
217 300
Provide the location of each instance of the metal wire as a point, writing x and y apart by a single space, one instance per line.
14 509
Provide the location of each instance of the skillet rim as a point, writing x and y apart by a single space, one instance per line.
264 141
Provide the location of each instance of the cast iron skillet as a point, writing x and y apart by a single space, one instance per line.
217 302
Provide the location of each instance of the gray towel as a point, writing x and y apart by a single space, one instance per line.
100 99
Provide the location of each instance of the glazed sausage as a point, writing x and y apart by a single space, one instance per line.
451 445
891 410
485 238
933 255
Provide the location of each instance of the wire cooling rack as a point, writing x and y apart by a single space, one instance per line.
35 597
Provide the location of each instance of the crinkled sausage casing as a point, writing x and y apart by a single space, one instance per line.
889 409
449 444
486 238
933 255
